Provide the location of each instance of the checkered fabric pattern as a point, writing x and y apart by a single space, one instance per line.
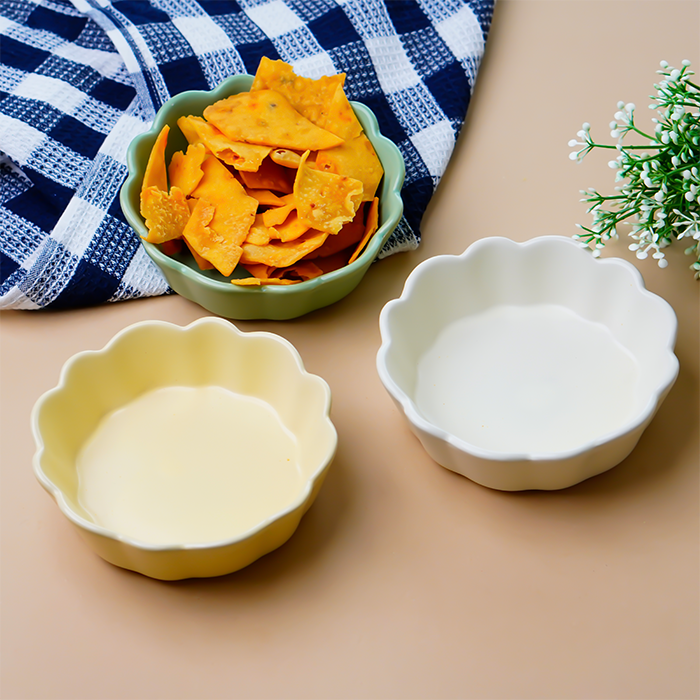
80 79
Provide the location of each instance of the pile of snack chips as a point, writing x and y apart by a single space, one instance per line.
280 180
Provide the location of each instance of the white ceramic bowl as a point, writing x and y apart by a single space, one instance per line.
527 365
185 452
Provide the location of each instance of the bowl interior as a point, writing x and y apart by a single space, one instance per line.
209 287
239 423
527 349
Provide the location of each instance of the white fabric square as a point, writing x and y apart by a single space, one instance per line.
55 92
394 69
143 275
77 225
142 46
435 145
274 18
17 299
122 46
462 34
106 64
315 66
203 34
19 140
120 136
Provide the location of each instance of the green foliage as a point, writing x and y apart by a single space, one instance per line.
660 179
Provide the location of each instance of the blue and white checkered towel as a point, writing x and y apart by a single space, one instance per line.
80 79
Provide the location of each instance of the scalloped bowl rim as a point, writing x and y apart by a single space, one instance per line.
414 416
58 494
392 199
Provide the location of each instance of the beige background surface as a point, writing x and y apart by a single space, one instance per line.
404 580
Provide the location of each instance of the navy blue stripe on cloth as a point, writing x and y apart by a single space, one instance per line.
80 78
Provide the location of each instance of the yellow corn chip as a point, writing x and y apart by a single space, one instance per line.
277 215
269 176
259 271
280 254
166 214
261 282
220 251
340 118
290 230
350 235
241 156
201 262
171 247
235 210
302 271
325 200
356 158
156 174
185 169
264 197
285 158
259 234
370 229
267 118
307 95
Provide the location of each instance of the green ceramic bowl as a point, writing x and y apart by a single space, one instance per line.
209 288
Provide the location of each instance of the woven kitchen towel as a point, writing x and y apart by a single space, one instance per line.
78 80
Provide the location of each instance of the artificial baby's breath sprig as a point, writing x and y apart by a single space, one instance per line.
660 190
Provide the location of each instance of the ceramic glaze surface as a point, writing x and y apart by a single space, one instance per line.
185 452
187 465
527 365
515 379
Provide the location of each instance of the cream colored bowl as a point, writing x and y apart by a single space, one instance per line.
527 365
185 451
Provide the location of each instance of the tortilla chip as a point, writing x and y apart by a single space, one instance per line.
307 95
356 158
283 254
220 251
261 282
264 197
235 210
171 247
277 215
285 158
291 229
340 118
267 118
185 169
156 174
269 176
325 200
241 156
202 264
259 271
259 234
333 262
350 235
371 226
302 271
166 213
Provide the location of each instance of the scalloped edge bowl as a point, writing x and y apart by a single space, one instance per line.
210 289
497 273
153 354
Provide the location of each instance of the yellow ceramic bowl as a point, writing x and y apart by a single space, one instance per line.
185 452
